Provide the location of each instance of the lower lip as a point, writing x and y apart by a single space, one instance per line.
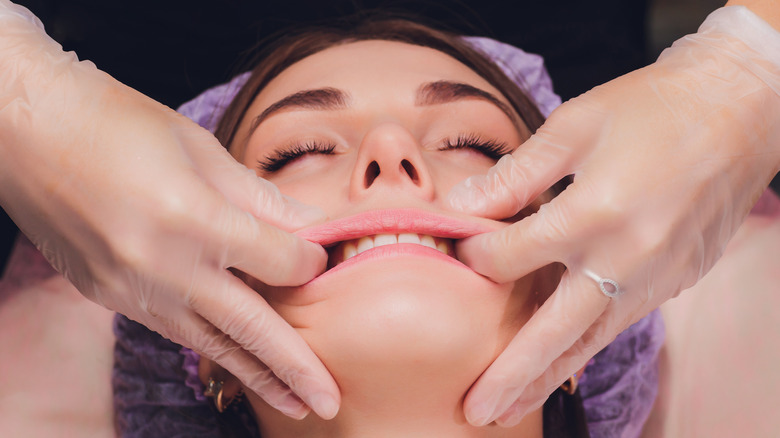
390 251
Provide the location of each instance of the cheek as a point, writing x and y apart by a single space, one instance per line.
320 194
327 189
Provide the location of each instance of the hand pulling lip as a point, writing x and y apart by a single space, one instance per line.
393 221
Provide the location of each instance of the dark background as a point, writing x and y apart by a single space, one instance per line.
173 50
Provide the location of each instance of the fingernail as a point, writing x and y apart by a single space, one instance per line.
293 407
304 214
480 415
324 405
466 196
511 419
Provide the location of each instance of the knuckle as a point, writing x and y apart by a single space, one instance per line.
129 249
266 196
551 225
172 209
265 384
515 175
648 241
251 333
240 326
216 345
608 207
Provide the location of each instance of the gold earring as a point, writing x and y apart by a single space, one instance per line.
570 385
215 389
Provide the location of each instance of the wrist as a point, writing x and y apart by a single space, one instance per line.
741 52
755 24
47 100
30 63
766 9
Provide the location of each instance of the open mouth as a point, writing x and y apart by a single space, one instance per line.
376 234
343 251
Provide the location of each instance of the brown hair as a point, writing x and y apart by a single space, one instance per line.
294 47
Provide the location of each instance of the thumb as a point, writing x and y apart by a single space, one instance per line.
518 178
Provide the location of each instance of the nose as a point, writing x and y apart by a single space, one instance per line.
390 158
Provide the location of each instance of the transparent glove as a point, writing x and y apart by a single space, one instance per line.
144 212
667 162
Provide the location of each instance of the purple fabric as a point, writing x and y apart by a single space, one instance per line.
618 388
620 385
208 107
525 69
150 396
190 366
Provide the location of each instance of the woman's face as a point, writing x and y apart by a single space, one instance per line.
376 133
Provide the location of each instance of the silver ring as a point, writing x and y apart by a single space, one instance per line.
608 287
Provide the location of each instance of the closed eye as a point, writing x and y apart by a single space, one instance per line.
491 148
280 158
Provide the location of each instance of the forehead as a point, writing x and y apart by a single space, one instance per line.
371 67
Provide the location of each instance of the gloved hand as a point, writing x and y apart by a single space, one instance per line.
667 162
144 212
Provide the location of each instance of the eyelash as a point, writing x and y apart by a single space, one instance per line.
281 158
492 149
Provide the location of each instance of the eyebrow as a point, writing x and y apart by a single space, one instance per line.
440 92
323 99
431 93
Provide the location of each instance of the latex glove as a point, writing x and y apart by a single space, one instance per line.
144 212
667 162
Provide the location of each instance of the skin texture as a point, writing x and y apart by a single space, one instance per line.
404 335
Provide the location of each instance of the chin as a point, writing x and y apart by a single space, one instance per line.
401 325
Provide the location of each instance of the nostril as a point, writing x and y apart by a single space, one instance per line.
410 170
372 171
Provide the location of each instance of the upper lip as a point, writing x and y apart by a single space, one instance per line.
393 221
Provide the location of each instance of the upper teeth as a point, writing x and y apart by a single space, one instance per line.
354 247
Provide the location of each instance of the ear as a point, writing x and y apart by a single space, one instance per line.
208 369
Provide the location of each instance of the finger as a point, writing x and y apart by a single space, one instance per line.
512 183
276 257
515 414
240 313
570 362
535 241
193 331
517 179
243 188
556 326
